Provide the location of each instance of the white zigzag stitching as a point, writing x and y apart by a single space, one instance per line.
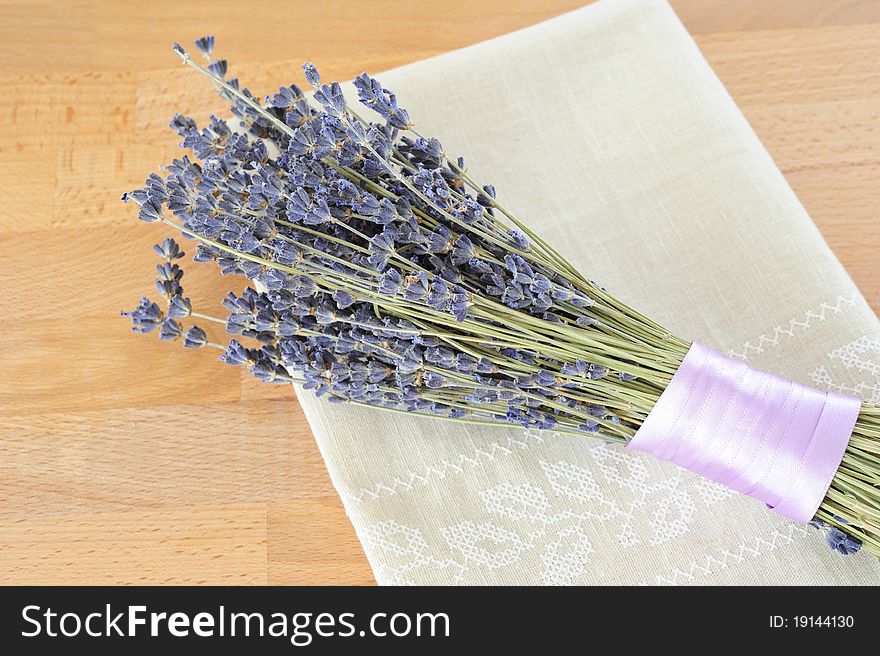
820 314
869 392
727 558
440 470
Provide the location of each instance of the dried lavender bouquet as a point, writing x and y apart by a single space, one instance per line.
385 275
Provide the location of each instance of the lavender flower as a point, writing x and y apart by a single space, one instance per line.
388 276
382 101
179 307
195 338
168 250
170 330
218 68
249 209
312 75
835 538
146 317
205 45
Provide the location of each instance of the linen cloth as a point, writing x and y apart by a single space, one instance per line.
607 131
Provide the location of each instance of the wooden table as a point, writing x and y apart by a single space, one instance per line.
127 461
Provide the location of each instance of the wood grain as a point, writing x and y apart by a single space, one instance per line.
123 461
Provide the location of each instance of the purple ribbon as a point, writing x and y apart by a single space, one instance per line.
753 432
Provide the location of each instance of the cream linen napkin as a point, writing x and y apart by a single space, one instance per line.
608 132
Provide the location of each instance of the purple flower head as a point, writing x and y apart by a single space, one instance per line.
841 542
579 299
195 338
205 45
182 125
151 210
383 102
168 250
343 299
838 540
519 240
156 188
262 196
305 143
139 196
434 380
312 75
459 303
236 354
561 293
540 283
146 317
169 272
331 98
390 282
170 330
439 294
441 356
366 204
218 68
487 198
464 363
579 368
470 211
386 212
286 97
404 207
312 211
178 306
596 371
462 250
545 378
326 314
440 241
416 287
